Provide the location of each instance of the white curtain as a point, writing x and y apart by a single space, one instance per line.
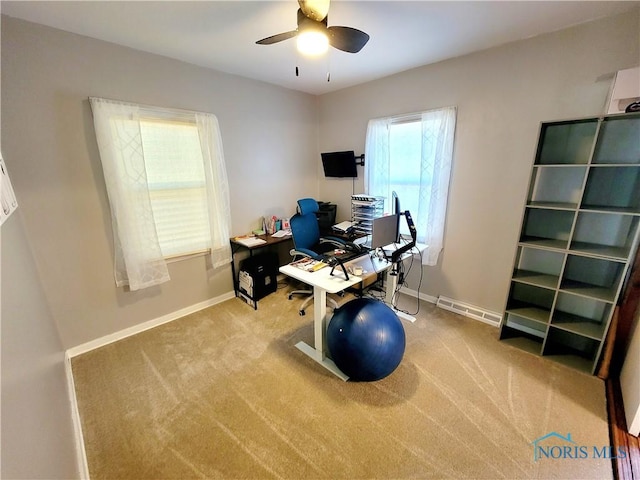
377 158
139 261
437 136
217 188
438 131
138 258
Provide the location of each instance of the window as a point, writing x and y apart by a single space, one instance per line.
167 186
404 152
411 155
175 175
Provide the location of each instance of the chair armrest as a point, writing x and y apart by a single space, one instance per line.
338 242
347 245
303 252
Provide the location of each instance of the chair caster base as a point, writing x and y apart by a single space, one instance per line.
302 313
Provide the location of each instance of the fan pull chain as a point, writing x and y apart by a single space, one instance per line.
328 66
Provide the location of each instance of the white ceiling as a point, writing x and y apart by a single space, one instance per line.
222 35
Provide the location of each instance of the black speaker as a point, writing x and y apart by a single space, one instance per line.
326 215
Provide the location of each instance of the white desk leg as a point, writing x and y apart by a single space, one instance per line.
319 322
318 352
390 287
392 284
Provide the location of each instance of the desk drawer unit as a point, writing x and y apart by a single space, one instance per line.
258 276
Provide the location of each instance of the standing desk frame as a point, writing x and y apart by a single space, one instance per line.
323 282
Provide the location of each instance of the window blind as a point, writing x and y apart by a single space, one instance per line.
175 175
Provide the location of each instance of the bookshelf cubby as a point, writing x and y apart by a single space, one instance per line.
547 227
613 188
539 267
558 186
566 143
579 233
592 277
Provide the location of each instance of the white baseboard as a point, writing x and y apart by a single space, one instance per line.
471 311
81 454
127 332
421 296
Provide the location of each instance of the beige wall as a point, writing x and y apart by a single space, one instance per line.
37 431
270 142
502 95
36 426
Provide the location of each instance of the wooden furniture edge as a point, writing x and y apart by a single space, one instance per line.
627 467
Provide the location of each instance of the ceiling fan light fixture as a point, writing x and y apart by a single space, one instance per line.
315 9
312 42
313 34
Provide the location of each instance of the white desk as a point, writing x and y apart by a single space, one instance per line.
323 282
372 263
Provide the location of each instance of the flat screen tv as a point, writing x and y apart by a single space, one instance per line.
339 164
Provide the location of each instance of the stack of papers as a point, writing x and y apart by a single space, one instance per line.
282 233
309 264
343 226
250 241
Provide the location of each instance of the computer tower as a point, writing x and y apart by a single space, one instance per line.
259 275
326 216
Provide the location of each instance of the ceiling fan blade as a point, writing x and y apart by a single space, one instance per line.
315 9
347 39
277 38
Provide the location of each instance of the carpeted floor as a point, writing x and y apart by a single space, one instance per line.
224 393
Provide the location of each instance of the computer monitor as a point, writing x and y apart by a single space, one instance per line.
397 212
384 231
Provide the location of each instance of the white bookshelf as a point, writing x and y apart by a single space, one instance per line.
579 234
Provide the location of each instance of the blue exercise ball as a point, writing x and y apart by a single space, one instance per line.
366 339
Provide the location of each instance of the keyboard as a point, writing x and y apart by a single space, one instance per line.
348 255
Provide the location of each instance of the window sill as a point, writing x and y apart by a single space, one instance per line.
186 256
418 249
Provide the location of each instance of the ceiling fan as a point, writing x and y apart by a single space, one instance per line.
312 24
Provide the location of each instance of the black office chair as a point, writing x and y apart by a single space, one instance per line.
307 242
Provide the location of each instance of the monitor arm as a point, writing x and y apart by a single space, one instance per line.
336 262
395 256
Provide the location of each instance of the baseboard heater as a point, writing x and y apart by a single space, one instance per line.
471 311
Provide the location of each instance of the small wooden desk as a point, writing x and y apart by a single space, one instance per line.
236 246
